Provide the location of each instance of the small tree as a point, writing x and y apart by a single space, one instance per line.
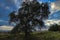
29 15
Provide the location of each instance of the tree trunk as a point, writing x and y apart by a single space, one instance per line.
27 34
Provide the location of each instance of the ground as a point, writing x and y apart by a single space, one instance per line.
34 36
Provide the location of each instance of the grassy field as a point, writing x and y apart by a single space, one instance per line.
34 36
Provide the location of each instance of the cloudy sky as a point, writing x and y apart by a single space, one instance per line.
7 6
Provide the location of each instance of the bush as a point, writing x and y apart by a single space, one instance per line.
54 27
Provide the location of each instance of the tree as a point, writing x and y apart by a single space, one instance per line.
29 15
54 27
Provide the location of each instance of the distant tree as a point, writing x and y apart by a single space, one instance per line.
29 15
54 27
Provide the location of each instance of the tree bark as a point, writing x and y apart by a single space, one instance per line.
27 33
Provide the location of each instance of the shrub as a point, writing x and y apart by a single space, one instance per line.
54 27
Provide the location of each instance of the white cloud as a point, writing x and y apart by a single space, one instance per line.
17 3
3 21
51 22
6 28
55 6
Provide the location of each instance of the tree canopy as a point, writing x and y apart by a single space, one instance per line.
29 15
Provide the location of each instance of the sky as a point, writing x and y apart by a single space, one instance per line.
7 6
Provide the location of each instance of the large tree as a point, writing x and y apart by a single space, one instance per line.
30 14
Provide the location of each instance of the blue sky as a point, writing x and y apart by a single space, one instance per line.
47 0
7 6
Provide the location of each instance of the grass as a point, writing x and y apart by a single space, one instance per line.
34 36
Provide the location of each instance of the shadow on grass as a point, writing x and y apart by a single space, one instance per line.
19 37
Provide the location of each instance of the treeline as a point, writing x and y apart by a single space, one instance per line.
54 27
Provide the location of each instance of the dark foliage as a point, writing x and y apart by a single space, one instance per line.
29 15
54 27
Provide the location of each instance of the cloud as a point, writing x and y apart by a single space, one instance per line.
7 7
18 3
6 28
55 6
3 21
47 23
51 22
